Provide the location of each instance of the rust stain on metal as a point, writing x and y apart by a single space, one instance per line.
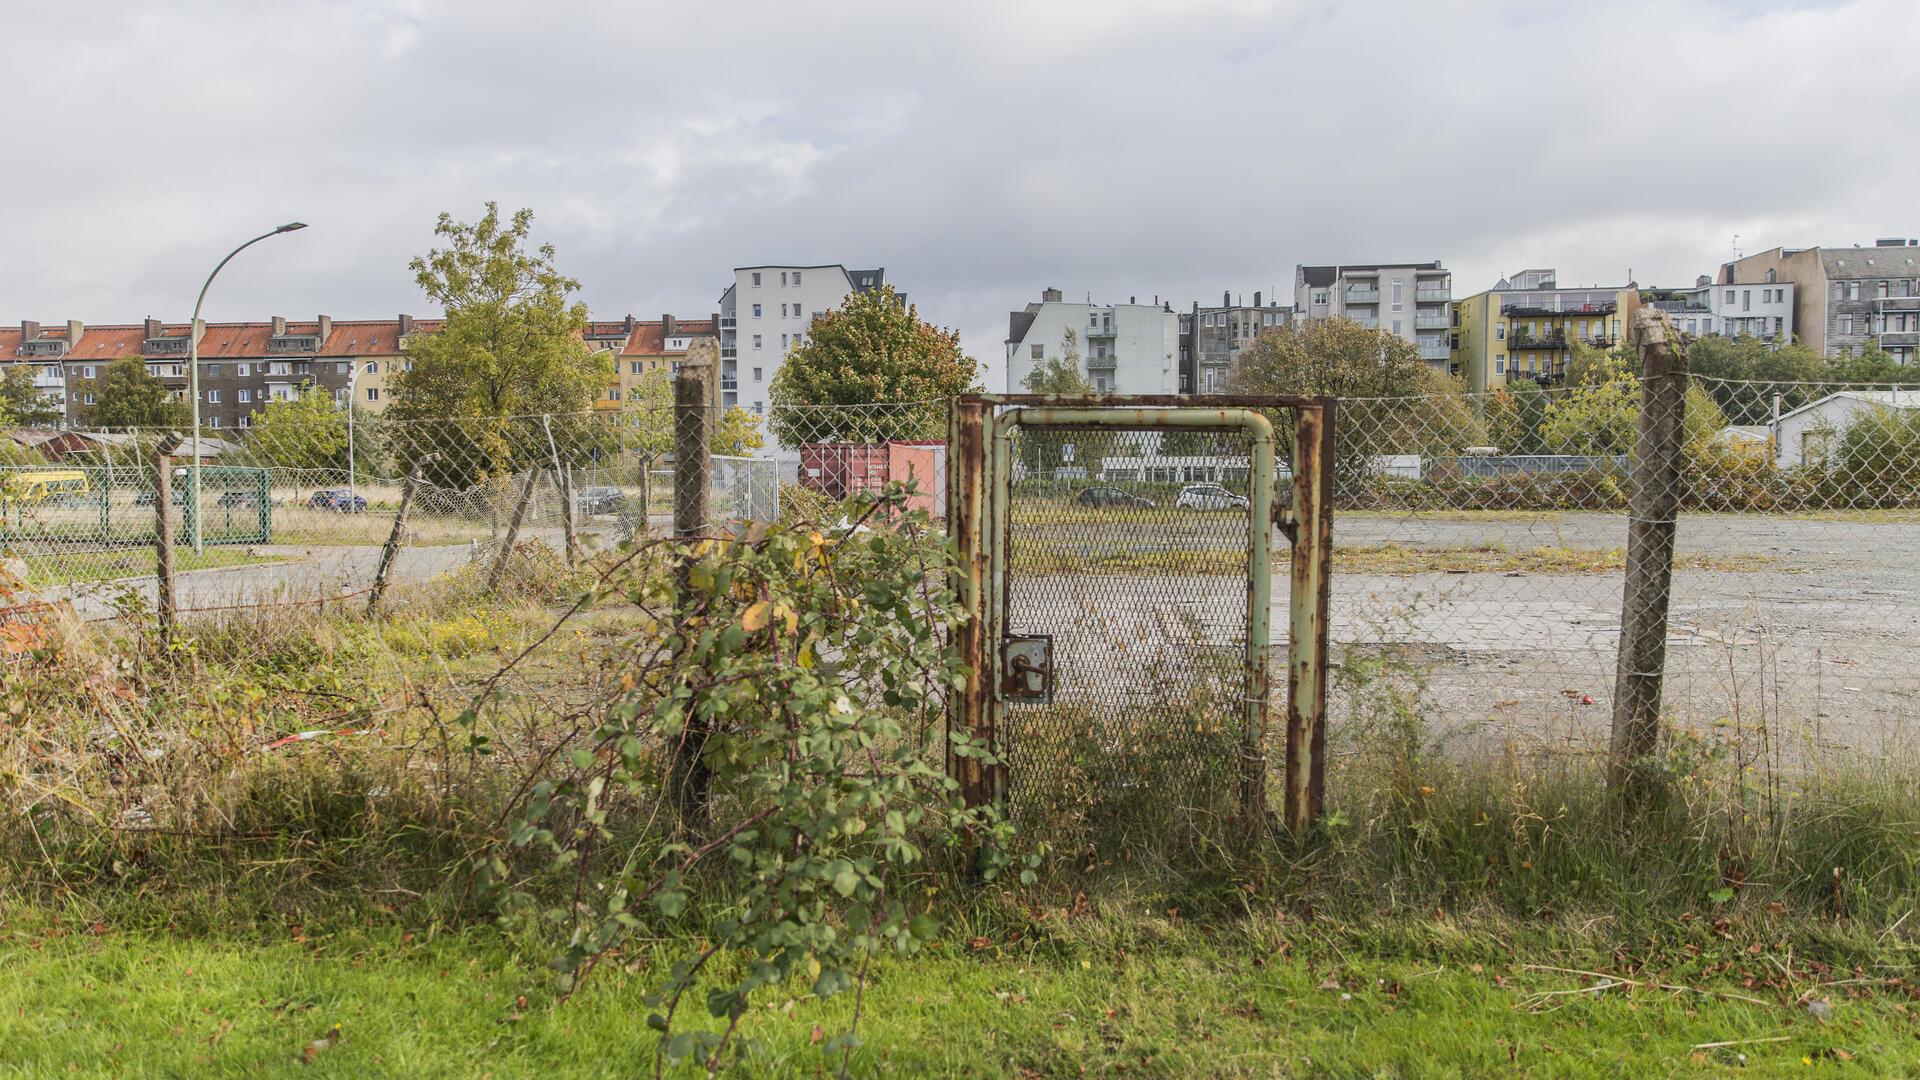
1308 596
966 506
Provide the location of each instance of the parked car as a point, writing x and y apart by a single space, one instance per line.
238 500
148 498
337 500
1209 497
1110 496
599 500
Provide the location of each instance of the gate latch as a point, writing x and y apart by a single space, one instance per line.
1026 668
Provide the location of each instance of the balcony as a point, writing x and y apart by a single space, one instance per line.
726 322
1901 338
1431 322
1555 340
1897 303
729 352
1528 308
1432 296
1367 321
1362 296
1101 363
1435 352
1103 331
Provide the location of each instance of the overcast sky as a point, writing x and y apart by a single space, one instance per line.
979 151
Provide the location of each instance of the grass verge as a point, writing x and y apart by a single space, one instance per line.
87 566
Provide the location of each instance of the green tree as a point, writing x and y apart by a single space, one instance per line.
1060 374
1603 418
1391 401
128 397
649 428
510 346
21 404
305 431
1514 416
873 349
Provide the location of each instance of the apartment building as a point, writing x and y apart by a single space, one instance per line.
1409 300
1211 338
1844 298
1760 310
242 365
1525 327
653 345
1129 348
767 311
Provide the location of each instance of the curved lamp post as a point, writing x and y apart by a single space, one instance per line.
193 372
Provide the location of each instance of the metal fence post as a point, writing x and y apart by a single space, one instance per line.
1310 527
1652 509
392 549
513 528
966 523
165 602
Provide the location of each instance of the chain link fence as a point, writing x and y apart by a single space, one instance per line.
1480 542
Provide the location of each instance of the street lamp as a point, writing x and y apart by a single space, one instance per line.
193 371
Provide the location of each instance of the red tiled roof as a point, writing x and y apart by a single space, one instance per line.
348 337
649 337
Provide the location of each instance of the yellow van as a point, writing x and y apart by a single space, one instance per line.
39 484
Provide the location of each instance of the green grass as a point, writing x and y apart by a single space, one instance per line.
70 568
1272 1001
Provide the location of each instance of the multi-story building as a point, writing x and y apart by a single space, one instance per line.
767 311
1759 310
1211 339
1410 300
1129 348
1525 327
1844 298
659 345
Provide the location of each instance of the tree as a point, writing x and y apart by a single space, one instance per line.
510 346
130 398
1514 416
873 349
1391 402
1061 374
305 431
21 403
649 434
1603 418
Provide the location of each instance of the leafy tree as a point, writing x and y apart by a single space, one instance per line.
130 398
1603 418
305 431
873 349
1060 374
1872 365
649 433
510 346
1391 402
1514 416
21 404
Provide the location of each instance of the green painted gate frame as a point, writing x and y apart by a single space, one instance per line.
978 493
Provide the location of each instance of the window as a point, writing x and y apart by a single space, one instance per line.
86 399
243 370
372 368
1499 365
1207 319
756 341
1853 290
1039 352
1772 277
1320 298
87 372
1729 296
756 280
783 343
213 421
1500 332
373 393
759 407
1746 299
634 367
213 397
1883 290
1398 288
796 277
213 370
756 311
1846 324
243 395
783 278
246 420
1396 327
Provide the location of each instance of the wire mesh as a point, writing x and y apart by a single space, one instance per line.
1131 550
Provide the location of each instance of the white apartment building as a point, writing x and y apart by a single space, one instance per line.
1762 310
767 311
1410 300
1129 348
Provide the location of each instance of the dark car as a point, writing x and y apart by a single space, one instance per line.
1110 496
238 500
337 500
600 500
148 498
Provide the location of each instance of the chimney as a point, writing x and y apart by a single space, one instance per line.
627 324
74 329
29 330
1133 300
279 326
1226 298
406 324
154 327
326 329
1049 296
1256 298
666 326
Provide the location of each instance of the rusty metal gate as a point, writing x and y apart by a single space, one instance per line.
1115 563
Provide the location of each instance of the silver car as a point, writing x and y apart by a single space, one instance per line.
1209 497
